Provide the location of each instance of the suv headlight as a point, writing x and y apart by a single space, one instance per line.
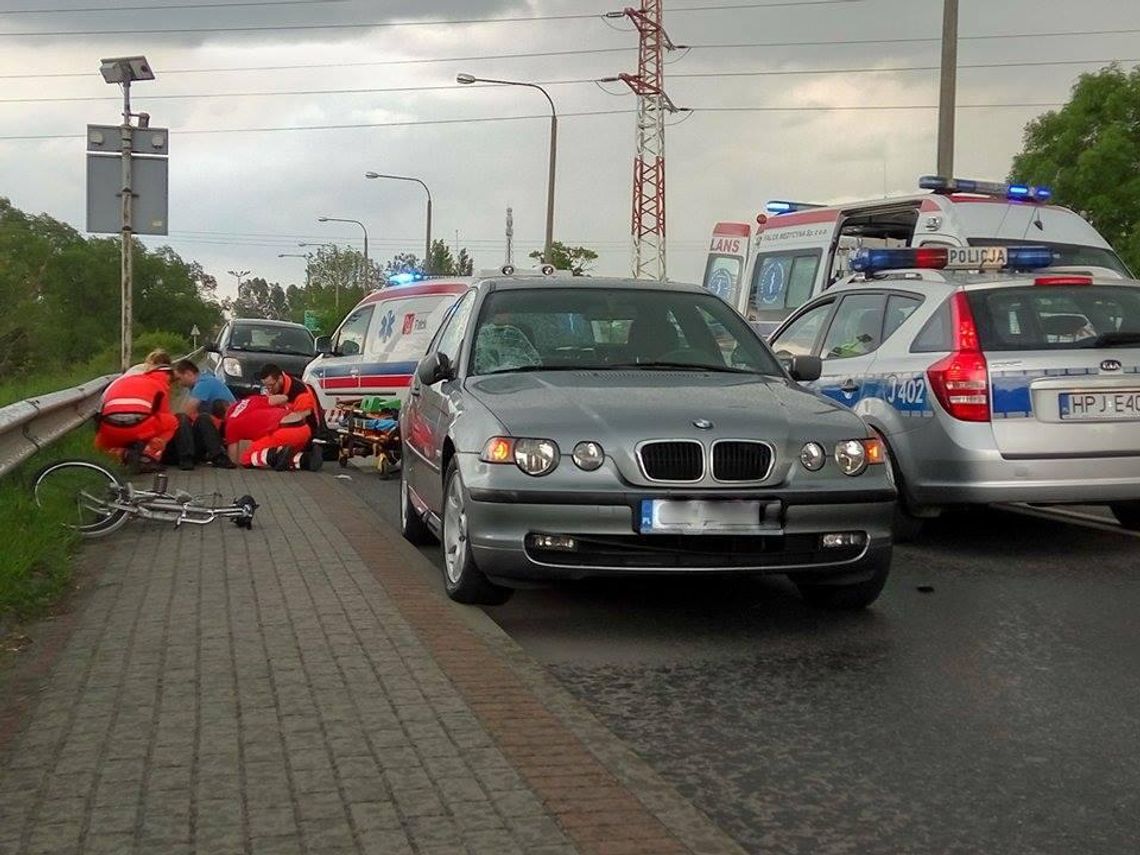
231 366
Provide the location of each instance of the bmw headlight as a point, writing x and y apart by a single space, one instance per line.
231 366
855 455
588 456
812 456
851 457
536 456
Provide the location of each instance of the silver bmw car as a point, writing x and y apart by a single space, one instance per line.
605 427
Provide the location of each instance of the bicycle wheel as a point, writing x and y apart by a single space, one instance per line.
82 494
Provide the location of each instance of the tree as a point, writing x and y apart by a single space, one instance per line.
1088 152
441 262
577 259
256 298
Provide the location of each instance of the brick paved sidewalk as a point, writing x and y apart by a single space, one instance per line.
306 687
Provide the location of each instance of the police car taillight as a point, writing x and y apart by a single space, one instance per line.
960 381
997 189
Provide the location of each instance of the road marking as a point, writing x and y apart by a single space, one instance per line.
1075 517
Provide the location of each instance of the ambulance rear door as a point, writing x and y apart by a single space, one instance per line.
727 260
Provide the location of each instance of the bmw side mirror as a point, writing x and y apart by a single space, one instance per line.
324 345
804 369
433 368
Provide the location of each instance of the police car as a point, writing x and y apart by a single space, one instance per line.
992 376
799 249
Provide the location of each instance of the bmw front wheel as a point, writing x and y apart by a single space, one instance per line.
463 580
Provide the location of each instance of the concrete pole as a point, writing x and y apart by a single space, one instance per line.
127 262
948 88
427 243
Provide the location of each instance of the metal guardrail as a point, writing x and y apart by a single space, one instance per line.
35 423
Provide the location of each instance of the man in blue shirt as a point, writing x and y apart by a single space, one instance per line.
199 434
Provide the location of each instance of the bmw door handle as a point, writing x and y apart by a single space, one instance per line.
415 392
849 386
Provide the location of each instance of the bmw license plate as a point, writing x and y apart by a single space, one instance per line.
1100 406
673 516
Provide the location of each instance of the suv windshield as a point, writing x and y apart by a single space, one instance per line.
267 338
1067 254
1057 317
550 329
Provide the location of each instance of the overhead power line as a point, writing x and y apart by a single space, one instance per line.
311 65
697 75
913 39
514 19
821 108
155 8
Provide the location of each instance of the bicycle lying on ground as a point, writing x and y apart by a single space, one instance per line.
95 503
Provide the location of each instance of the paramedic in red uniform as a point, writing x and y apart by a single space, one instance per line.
135 420
286 447
248 421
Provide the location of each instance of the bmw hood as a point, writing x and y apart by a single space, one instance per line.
621 408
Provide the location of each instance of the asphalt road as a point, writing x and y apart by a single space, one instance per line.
989 702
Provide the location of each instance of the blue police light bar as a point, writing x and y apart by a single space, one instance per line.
779 206
952 258
939 184
404 278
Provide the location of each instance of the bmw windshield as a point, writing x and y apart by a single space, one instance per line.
552 329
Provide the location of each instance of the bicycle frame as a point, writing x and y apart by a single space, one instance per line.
177 508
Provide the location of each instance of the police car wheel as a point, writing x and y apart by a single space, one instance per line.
905 526
462 578
849 597
1127 514
413 528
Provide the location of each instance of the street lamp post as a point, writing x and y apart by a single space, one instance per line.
367 264
336 281
468 79
239 275
122 71
427 243
298 255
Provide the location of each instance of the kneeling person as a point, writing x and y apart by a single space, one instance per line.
199 429
287 447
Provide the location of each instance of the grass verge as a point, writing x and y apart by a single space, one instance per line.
18 388
36 549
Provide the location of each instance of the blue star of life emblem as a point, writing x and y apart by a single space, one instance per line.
387 325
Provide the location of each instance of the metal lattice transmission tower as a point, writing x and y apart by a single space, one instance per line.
648 229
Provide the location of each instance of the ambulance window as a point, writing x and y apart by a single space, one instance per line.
782 280
350 337
799 337
722 276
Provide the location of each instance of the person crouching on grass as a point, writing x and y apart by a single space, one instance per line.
289 446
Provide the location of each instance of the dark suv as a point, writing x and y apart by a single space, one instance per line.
244 346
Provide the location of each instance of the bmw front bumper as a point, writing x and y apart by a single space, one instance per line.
502 526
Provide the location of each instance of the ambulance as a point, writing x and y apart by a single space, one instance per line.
798 250
375 350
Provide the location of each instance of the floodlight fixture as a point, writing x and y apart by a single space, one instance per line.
125 69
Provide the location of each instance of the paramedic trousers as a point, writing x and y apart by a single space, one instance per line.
294 437
154 433
198 438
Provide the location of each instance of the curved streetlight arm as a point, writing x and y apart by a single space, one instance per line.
467 79
367 263
423 184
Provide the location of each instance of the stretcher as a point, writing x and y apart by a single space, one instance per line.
370 429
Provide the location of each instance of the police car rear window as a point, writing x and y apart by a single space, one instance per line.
1057 317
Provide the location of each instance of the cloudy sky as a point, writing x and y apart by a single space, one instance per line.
249 89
